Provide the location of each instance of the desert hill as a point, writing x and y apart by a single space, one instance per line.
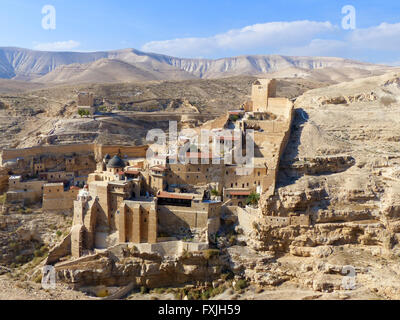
134 65
49 115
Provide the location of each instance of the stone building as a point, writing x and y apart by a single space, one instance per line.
117 209
183 213
24 191
57 197
86 102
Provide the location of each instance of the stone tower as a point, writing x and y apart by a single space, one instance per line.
262 90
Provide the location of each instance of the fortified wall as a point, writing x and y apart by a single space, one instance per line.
98 150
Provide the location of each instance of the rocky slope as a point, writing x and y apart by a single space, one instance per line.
49 116
341 167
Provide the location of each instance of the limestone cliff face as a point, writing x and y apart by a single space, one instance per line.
120 266
341 167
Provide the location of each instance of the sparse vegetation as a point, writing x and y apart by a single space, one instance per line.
241 284
232 240
205 292
83 113
210 253
215 193
144 290
2 199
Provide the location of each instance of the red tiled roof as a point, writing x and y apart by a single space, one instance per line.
134 172
168 195
236 113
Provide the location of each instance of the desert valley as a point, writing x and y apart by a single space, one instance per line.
318 216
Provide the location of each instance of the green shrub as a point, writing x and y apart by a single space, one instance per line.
232 240
210 253
206 294
83 112
241 284
38 278
144 290
217 291
20 259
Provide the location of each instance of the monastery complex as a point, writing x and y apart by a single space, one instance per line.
117 194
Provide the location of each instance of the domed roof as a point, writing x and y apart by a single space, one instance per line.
107 157
116 162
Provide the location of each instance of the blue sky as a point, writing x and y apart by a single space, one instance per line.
209 29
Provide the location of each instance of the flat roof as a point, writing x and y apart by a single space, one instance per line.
158 168
181 196
59 184
240 193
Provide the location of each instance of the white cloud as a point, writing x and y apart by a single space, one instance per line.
297 38
272 35
386 37
318 47
57 46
